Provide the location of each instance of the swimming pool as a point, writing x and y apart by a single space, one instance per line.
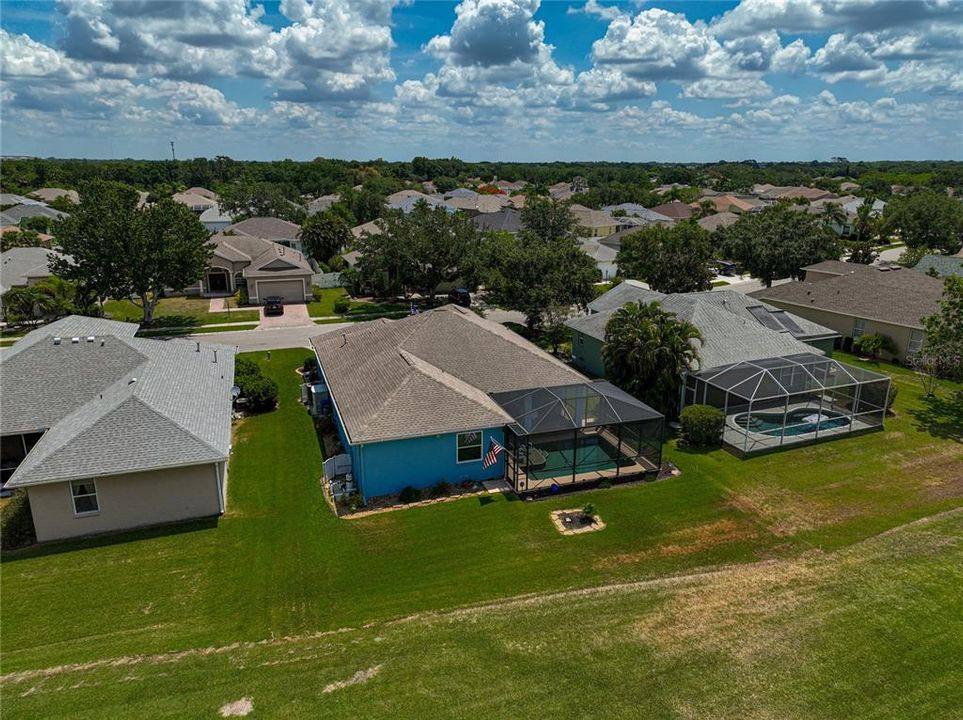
555 459
798 422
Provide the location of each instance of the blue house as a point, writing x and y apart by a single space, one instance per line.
422 400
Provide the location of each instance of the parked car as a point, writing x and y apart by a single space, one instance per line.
727 268
460 296
274 305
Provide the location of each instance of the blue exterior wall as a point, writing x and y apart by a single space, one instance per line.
383 468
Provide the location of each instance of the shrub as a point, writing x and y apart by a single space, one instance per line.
16 522
702 426
342 305
893 392
245 368
873 344
588 510
441 489
261 393
242 296
409 495
317 294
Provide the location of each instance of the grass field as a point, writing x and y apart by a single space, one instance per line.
179 312
324 307
810 615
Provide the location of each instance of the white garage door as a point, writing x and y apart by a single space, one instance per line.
292 291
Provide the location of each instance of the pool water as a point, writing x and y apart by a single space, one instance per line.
798 421
594 454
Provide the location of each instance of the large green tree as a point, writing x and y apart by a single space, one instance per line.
120 251
646 351
944 332
418 251
541 267
324 235
778 242
926 219
260 199
670 259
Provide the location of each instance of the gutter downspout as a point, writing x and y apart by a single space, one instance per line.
220 487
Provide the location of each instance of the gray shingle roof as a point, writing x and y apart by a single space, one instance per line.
268 228
14 215
20 264
115 405
944 265
505 220
899 296
640 211
429 373
731 332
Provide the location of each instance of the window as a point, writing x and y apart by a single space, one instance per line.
859 327
915 342
84 494
469 447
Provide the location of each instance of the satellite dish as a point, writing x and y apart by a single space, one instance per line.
235 392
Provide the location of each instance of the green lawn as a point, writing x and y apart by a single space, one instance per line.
324 306
828 626
179 312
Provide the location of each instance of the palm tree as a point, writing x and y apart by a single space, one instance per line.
646 352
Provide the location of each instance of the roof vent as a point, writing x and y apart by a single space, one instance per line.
102 342
198 347
56 341
90 338
74 340
132 381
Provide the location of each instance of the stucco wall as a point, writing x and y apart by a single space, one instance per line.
128 501
843 324
387 467
587 354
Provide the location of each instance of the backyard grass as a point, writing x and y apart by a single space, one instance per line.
179 312
817 618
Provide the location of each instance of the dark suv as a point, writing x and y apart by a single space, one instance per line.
460 296
274 305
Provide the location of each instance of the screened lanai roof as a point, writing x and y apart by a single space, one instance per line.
570 407
789 375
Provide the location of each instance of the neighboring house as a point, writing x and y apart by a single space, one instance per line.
372 227
204 193
505 220
848 186
675 210
23 266
638 211
408 199
50 194
560 191
719 220
18 213
422 400
603 256
11 199
790 192
764 368
941 265
320 204
215 220
729 203
108 432
480 204
734 326
197 203
594 223
266 268
855 299
464 193
274 229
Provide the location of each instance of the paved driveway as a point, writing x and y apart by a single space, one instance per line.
295 315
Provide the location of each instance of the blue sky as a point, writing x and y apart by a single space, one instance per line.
484 79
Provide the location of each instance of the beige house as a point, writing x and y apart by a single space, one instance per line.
856 300
266 268
594 223
106 431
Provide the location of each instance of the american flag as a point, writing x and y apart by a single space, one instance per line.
491 457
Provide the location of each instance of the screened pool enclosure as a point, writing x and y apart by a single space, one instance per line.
575 434
789 400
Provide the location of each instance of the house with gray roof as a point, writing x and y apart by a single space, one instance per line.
18 213
23 266
940 265
421 400
106 431
265 268
855 299
769 371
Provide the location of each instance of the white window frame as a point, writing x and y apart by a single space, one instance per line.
459 447
915 343
73 498
859 327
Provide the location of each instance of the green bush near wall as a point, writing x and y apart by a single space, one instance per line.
16 522
702 426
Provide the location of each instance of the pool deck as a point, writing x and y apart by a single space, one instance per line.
529 483
735 436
